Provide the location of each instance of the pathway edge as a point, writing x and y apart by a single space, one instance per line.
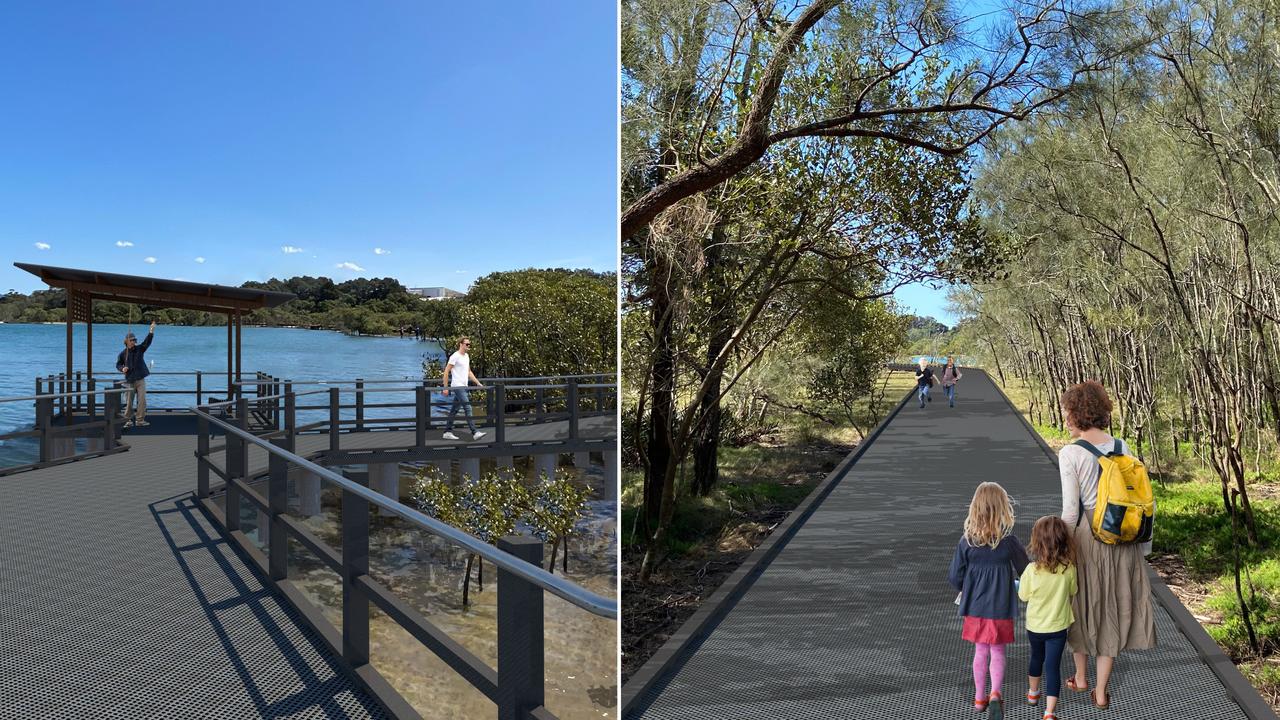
660 666
1233 681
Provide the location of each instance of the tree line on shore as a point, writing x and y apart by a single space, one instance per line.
523 323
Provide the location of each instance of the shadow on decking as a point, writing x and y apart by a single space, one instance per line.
179 516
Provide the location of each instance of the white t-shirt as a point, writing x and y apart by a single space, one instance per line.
461 367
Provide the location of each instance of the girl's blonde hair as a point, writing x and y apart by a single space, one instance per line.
990 517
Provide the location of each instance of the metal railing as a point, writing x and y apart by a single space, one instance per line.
56 440
517 684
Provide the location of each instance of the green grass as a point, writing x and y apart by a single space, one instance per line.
755 479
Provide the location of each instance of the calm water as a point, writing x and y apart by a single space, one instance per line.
36 350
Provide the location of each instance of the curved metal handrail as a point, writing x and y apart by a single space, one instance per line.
581 597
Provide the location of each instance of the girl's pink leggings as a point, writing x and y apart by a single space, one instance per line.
986 655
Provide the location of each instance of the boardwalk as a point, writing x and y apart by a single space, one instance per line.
853 618
118 598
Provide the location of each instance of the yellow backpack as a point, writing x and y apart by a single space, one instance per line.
1125 508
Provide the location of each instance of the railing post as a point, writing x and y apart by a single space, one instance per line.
500 404
359 404
335 418
44 422
93 397
572 392
539 406
291 417
235 449
355 562
278 501
202 457
199 389
420 416
75 401
520 651
237 464
110 406
488 404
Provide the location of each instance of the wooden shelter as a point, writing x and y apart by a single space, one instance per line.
85 286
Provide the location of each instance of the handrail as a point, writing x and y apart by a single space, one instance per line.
54 396
585 599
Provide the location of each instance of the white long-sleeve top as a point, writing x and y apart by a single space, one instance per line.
1078 470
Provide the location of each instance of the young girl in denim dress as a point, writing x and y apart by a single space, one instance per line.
987 560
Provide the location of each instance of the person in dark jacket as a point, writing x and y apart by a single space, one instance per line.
987 560
924 381
133 364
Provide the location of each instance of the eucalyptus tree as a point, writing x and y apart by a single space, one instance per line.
920 74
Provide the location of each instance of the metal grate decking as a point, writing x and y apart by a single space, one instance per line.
854 617
119 600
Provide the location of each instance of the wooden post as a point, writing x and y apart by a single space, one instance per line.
229 369
66 405
335 418
239 369
359 404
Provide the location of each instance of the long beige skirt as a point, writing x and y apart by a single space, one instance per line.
1112 607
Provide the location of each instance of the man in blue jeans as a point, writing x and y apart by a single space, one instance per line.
457 375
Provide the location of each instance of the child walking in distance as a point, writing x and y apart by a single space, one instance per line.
924 380
987 560
1047 586
950 376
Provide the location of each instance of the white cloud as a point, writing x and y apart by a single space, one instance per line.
289 249
180 279
349 266
380 251
42 246
200 260
149 259
123 243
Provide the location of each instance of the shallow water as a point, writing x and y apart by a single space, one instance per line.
580 649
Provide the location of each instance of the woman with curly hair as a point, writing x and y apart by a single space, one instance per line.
1112 606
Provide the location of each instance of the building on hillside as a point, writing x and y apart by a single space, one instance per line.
436 293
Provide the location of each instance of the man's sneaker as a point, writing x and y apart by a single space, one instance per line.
450 436
142 423
477 434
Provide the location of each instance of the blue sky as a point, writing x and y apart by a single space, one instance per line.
288 138
920 299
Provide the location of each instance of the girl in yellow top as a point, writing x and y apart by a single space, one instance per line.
1047 586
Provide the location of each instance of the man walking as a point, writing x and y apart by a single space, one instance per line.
132 363
457 375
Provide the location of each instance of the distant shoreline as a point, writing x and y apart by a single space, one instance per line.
394 336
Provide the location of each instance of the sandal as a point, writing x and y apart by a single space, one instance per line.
1049 716
1101 705
996 703
1071 683
979 705
1033 697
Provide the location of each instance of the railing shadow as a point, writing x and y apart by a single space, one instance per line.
179 516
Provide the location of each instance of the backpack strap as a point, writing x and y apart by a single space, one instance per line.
1090 447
